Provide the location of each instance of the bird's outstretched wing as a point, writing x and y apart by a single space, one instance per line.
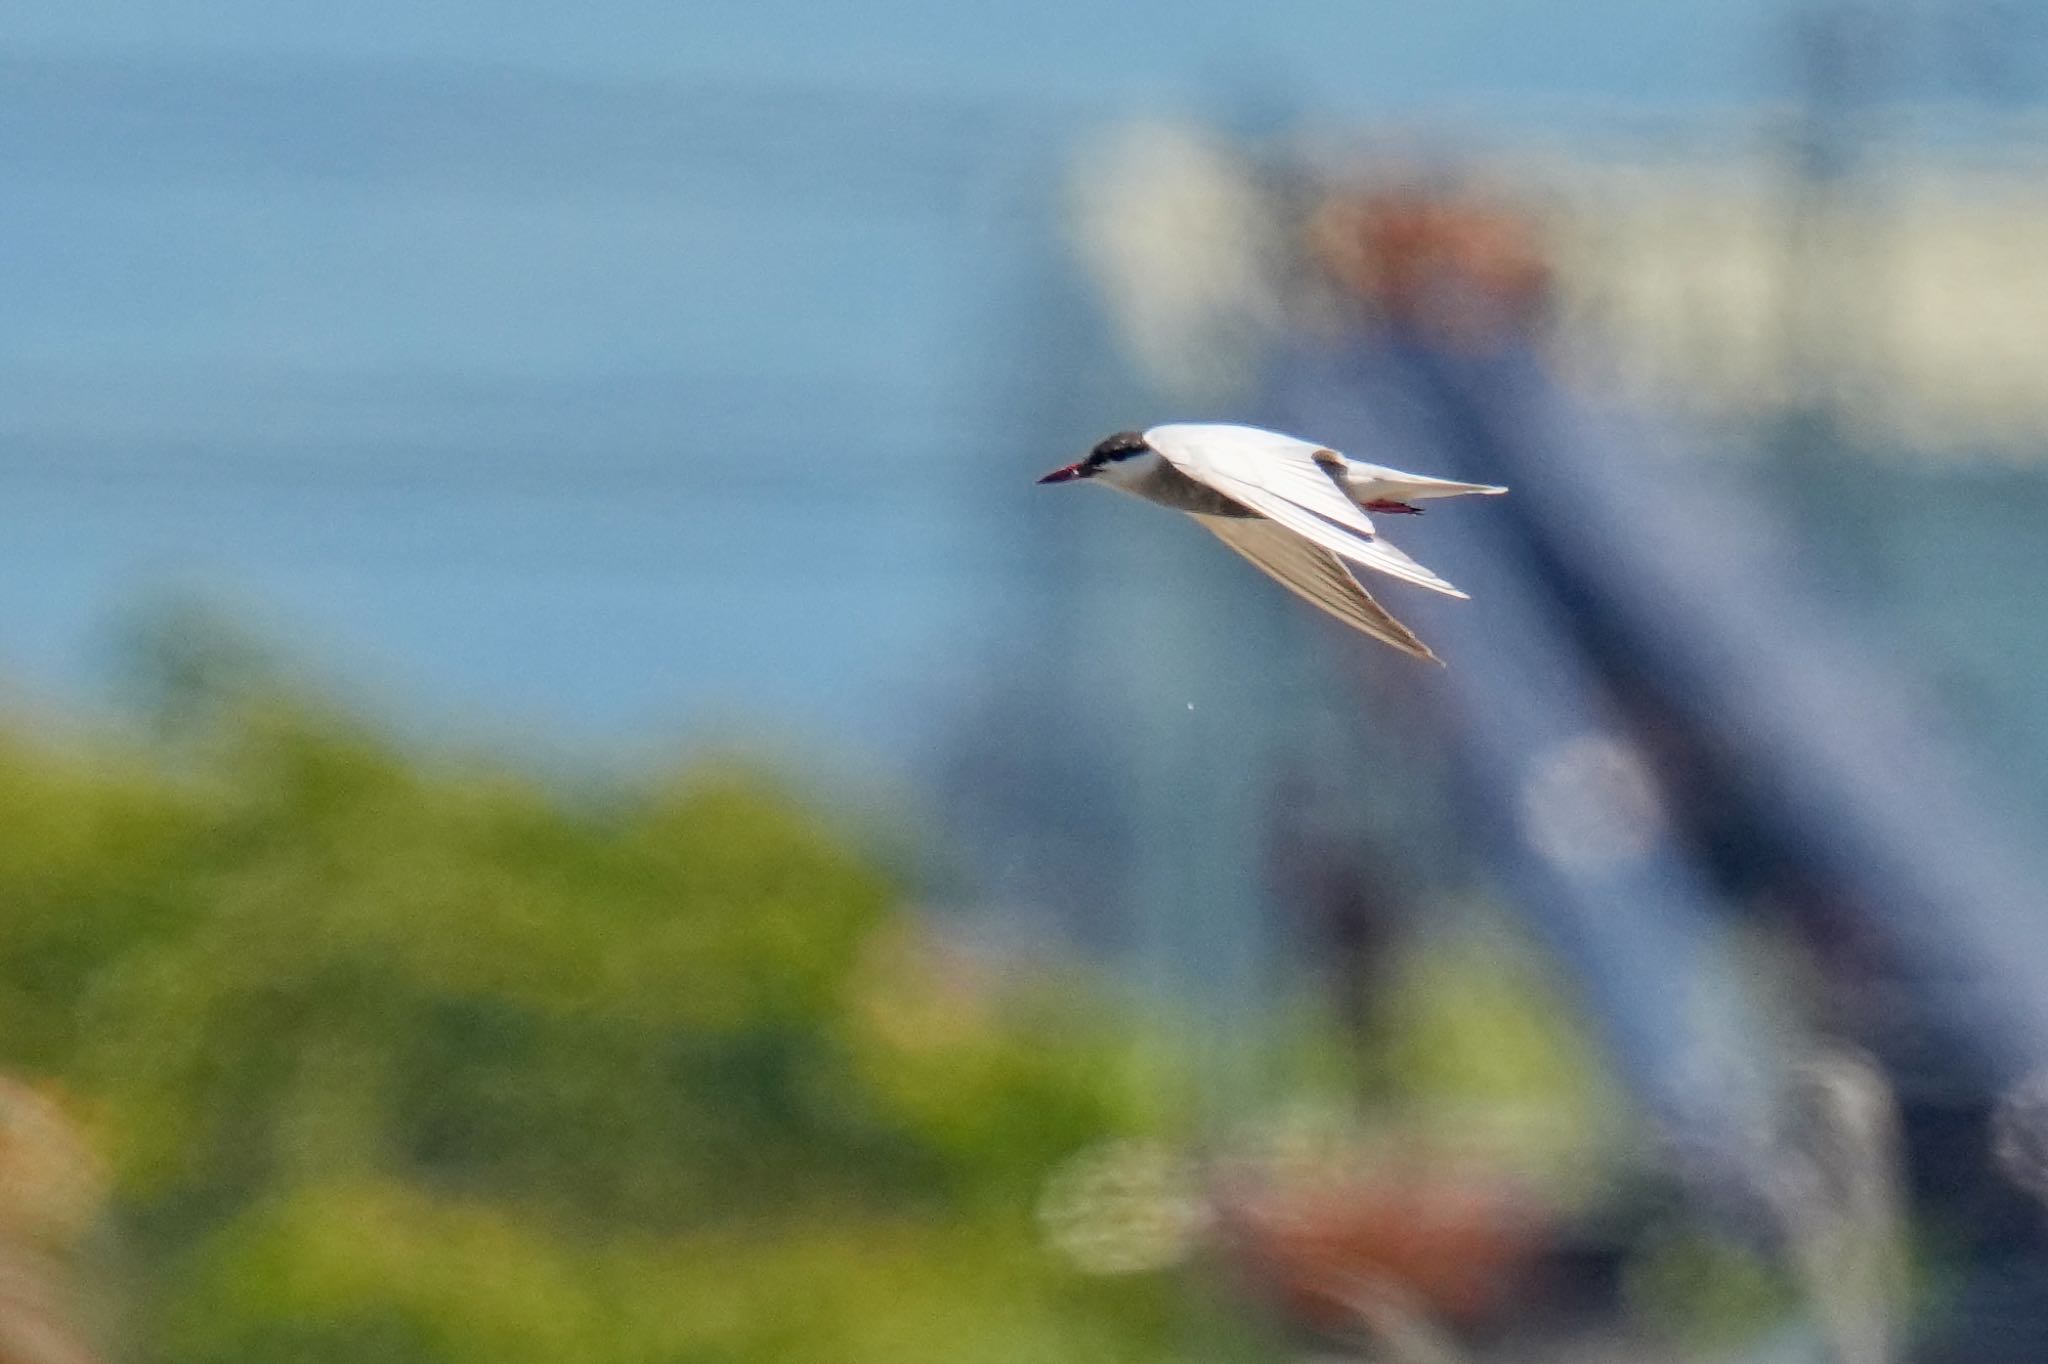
1282 478
1315 575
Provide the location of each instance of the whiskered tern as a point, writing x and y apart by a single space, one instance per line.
1296 509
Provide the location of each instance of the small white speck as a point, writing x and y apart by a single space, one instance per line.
1191 705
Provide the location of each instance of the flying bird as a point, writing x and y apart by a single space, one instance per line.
1296 509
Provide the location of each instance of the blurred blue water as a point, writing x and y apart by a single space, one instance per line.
1455 49
596 370
529 397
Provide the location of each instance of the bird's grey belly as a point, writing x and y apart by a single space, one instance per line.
1172 488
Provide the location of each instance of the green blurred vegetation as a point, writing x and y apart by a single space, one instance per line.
396 1058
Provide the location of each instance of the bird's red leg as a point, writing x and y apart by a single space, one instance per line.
1395 508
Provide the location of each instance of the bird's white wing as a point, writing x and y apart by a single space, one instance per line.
1292 482
1315 575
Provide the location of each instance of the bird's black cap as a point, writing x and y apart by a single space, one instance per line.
1122 445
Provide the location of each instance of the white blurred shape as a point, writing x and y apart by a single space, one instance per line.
1123 1207
2019 1134
1845 1177
1397 1325
1590 802
1178 233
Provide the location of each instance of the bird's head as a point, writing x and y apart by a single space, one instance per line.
1119 459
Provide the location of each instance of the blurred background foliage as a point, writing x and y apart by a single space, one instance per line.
368 1050
393 1057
